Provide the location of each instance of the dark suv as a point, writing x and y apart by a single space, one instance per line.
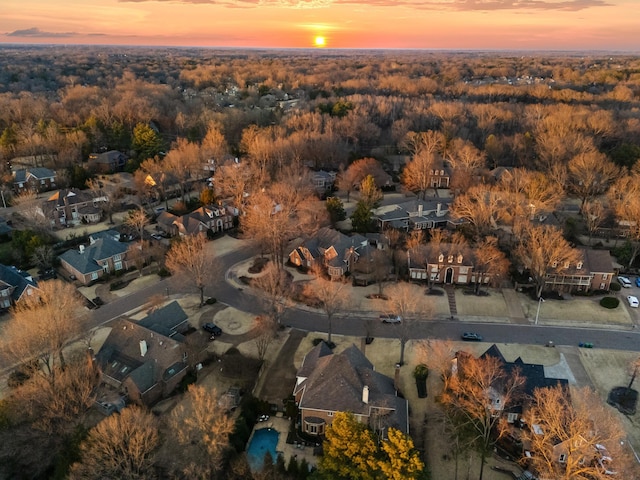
212 328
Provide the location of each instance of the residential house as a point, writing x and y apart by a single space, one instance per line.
328 382
336 251
170 320
72 207
214 218
33 179
88 263
413 215
592 272
108 162
323 180
442 263
15 285
141 363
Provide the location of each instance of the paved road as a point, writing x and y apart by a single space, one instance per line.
354 324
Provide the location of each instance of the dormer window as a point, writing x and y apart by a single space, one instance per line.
441 172
459 258
450 259
579 266
440 258
430 172
566 264
554 264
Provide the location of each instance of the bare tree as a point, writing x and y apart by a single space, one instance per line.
476 395
403 301
417 174
593 213
203 423
42 324
184 161
491 264
332 296
543 250
624 197
266 330
43 257
192 262
29 207
274 286
137 219
438 355
580 429
590 175
120 446
104 194
480 206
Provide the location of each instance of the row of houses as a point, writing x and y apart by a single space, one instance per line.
443 263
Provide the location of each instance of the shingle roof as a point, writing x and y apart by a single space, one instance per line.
101 249
337 382
166 319
16 278
21 175
327 238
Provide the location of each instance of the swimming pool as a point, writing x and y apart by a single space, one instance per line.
263 441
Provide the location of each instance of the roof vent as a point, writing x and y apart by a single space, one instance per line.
143 347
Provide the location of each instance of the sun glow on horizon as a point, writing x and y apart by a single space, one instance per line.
320 41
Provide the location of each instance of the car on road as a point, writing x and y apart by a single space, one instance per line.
633 301
471 337
390 318
624 281
637 281
212 328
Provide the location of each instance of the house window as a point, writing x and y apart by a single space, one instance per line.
117 265
566 264
459 258
450 259
563 458
117 258
579 266
554 264
5 292
330 414
605 276
20 185
29 291
440 258
441 172
94 276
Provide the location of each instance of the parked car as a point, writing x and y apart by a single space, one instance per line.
624 281
471 337
633 301
637 281
390 318
212 328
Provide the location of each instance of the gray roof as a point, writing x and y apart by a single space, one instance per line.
165 320
327 238
21 175
87 261
337 382
16 278
408 211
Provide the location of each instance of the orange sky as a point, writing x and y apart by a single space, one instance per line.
429 24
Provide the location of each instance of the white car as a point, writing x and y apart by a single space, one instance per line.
624 281
633 301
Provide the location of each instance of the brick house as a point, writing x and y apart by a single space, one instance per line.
142 364
336 251
328 382
34 179
108 162
593 272
72 207
89 263
443 263
216 218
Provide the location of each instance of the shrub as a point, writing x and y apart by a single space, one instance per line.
211 301
163 272
609 302
421 371
615 287
331 345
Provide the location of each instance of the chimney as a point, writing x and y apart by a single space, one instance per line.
420 210
365 394
81 249
143 348
439 212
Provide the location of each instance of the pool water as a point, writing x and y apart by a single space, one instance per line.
263 441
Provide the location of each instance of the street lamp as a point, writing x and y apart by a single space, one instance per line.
540 300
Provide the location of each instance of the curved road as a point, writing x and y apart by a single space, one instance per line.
354 324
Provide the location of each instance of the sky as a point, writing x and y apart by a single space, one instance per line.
609 25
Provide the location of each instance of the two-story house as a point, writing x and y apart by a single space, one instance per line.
442 263
71 207
214 218
15 285
336 251
108 162
33 179
328 382
413 215
102 256
594 271
142 364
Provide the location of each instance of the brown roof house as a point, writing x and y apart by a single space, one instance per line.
328 382
335 250
593 271
72 207
214 218
446 263
141 363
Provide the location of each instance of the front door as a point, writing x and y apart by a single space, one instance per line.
448 278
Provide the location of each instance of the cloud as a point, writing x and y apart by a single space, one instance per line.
37 33
459 5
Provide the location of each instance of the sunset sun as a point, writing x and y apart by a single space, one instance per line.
320 41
